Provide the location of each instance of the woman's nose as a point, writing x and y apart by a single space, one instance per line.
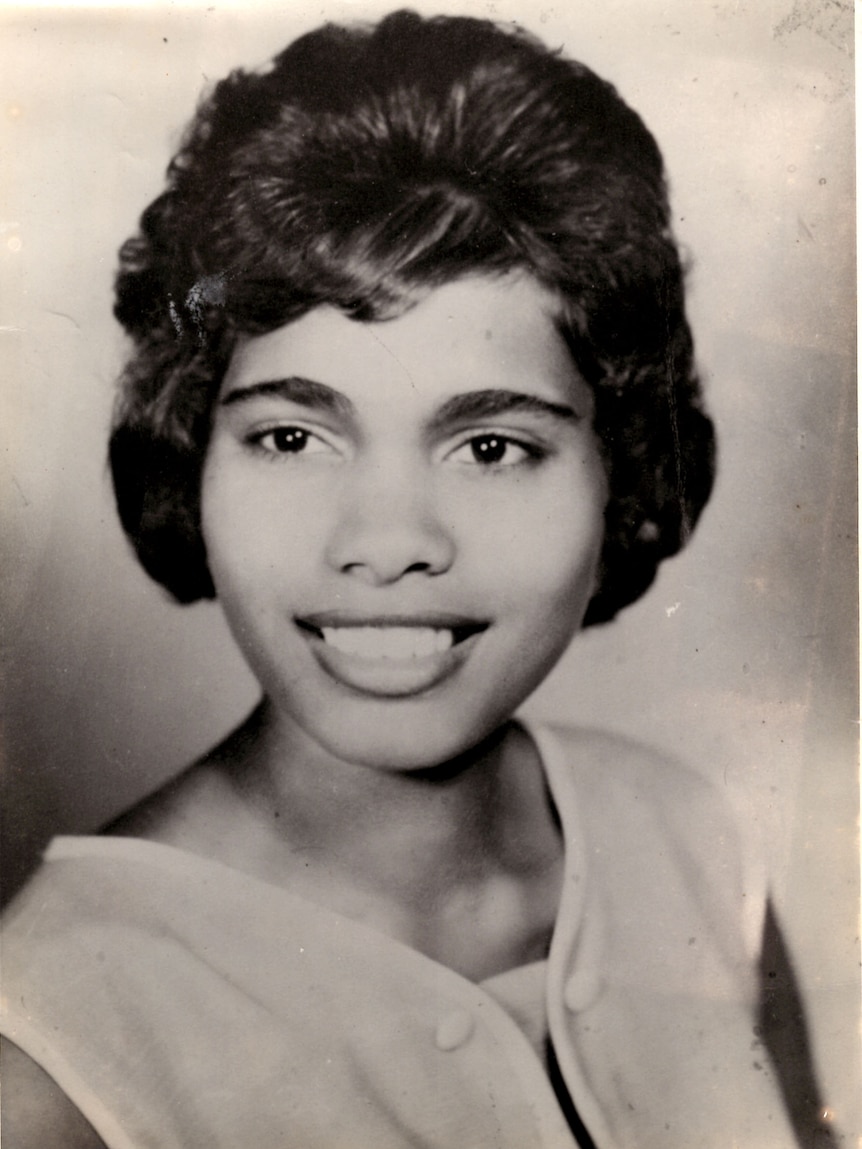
388 528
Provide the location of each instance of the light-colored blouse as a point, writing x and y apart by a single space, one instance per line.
181 1003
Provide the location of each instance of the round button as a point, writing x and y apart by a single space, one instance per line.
582 989
454 1029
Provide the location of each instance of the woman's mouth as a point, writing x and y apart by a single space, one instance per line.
390 657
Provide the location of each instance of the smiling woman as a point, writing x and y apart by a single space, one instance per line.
412 394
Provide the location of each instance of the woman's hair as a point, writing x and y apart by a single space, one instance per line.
364 168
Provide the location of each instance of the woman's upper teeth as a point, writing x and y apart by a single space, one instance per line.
395 642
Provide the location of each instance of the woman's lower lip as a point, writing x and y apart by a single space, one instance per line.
387 677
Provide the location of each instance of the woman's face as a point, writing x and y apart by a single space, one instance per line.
403 519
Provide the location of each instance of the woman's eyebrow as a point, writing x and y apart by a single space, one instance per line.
305 392
487 404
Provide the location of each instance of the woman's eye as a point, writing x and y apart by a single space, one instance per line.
289 440
493 450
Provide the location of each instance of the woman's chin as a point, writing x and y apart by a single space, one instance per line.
392 736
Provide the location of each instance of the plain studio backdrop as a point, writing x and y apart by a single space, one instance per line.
741 659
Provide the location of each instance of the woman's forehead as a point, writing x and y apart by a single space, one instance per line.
467 335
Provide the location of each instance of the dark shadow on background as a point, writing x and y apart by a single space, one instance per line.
783 1029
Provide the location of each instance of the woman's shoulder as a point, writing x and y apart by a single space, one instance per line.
606 761
655 827
200 810
620 785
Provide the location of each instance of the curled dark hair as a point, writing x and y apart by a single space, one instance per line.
364 168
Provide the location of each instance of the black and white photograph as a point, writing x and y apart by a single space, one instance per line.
430 593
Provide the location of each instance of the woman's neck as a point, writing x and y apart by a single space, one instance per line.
463 862
408 833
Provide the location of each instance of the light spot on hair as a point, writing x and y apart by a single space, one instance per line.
175 319
210 289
